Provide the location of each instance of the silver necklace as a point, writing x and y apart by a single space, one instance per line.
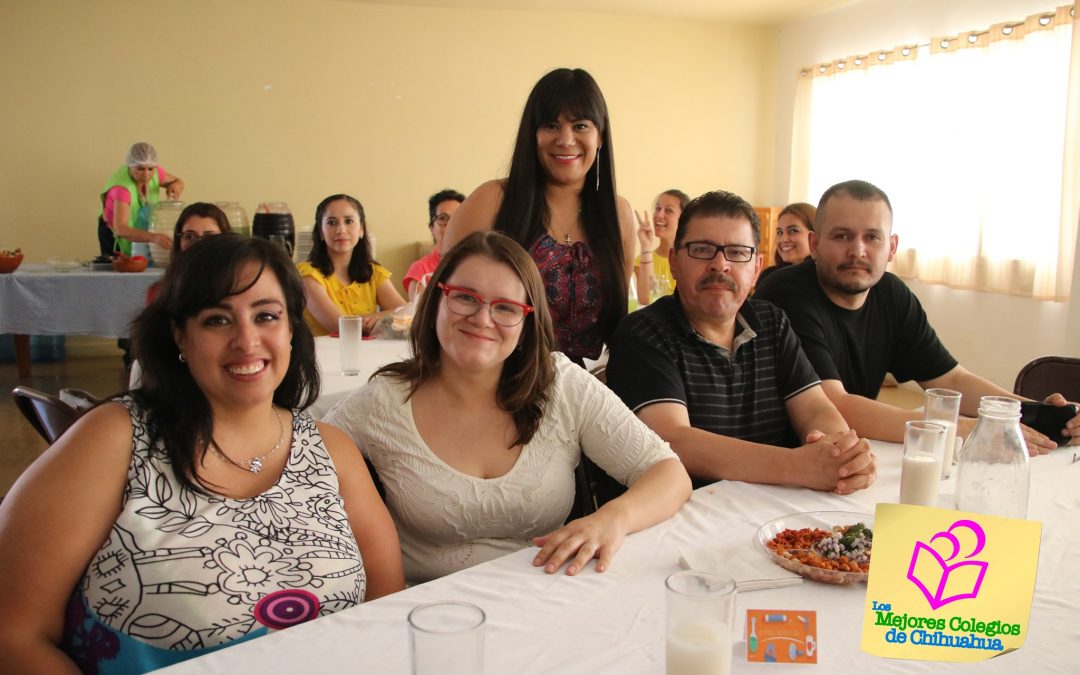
255 464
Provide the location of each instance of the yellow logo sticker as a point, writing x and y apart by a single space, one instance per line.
948 585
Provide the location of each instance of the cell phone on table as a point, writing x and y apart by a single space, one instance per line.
1048 419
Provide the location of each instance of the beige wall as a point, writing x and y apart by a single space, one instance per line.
293 100
993 335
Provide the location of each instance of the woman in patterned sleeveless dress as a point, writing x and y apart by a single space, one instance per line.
559 203
203 508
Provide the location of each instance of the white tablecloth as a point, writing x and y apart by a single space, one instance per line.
335 386
614 622
34 300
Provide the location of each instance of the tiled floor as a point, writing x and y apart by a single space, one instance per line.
101 373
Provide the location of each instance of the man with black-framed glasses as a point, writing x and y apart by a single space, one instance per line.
441 206
721 377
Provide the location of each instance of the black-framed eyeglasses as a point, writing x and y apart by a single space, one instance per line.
463 302
190 237
442 219
706 250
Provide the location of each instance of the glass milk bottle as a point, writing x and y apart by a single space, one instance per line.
992 474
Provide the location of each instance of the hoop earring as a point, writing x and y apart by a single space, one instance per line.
598 169
181 357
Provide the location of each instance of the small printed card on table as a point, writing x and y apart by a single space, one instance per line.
781 636
948 585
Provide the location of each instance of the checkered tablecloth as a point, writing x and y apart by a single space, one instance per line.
35 300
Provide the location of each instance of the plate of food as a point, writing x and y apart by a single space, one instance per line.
832 547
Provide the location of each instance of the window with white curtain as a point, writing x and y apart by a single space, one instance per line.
967 135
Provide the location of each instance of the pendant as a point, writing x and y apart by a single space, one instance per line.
255 465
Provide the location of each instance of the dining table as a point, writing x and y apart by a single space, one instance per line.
614 622
39 300
374 354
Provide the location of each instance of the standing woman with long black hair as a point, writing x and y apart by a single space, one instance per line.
559 202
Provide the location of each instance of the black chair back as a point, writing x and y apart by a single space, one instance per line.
49 416
593 487
1048 375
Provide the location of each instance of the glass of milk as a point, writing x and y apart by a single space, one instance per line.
943 406
924 450
700 623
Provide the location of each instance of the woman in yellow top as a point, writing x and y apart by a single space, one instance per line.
340 278
652 271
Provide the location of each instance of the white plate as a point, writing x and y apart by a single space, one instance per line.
823 520
63 265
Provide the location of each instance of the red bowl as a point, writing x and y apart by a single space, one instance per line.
136 264
10 263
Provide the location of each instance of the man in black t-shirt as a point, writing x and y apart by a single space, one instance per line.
858 322
722 378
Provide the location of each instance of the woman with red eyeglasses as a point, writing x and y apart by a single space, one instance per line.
476 438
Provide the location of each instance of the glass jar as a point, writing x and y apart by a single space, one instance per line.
992 474
163 221
237 216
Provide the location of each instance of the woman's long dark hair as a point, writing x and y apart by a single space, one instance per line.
529 370
360 264
524 214
178 412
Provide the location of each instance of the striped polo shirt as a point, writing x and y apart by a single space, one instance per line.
656 356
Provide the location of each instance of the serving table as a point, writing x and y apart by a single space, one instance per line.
614 622
35 300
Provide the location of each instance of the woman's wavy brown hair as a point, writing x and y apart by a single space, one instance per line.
528 372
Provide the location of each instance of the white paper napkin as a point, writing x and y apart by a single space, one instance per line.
750 569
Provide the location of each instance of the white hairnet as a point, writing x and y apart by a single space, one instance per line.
142 154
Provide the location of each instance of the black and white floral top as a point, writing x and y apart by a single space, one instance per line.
183 573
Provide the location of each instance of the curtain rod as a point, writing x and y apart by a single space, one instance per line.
972 37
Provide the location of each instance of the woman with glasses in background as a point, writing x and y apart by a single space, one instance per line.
477 436
441 206
196 221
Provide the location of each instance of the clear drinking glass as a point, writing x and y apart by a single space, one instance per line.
924 449
943 407
351 341
447 638
700 623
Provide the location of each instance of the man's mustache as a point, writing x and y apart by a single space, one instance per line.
728 282
855 266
